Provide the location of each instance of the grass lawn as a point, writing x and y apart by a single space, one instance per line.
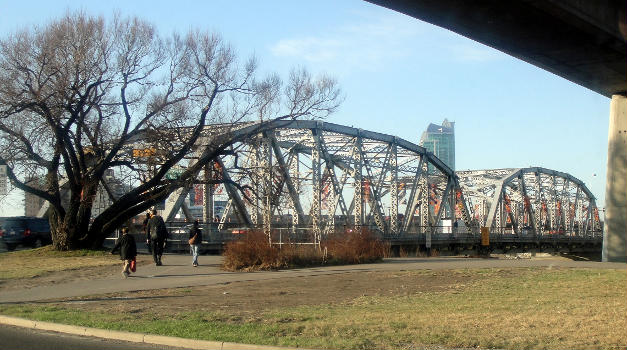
35 262
518 308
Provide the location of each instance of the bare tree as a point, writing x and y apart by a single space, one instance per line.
78 95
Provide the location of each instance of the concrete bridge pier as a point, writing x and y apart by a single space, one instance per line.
615 228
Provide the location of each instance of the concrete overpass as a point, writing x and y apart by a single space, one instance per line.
584 41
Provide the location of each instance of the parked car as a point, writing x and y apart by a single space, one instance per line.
24 230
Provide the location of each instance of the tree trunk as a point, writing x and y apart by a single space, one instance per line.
62 234
70 230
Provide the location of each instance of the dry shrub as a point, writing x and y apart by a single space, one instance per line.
354 247
300 255
433 253
403 252
252 251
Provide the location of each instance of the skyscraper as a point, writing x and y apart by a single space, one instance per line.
440 140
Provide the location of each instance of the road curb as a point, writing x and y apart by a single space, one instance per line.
134 337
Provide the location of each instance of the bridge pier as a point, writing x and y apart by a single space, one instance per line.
615 228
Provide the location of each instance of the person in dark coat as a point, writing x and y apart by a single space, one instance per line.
147 232
158 236
128 250
195 239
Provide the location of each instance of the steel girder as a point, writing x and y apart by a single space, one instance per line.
532 200
317 177
324 177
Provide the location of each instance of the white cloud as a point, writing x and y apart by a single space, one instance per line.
378 40
311 49
366 44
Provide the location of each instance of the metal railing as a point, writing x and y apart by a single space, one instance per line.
436 235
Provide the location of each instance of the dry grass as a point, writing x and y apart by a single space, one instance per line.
36 262
503 309
536 308
565 309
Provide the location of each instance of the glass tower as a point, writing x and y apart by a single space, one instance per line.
440 140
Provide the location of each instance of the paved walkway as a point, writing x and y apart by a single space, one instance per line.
178 272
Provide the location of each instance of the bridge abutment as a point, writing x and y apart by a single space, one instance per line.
615 228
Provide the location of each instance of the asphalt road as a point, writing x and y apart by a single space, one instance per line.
17 338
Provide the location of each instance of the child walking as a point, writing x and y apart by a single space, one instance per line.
128 251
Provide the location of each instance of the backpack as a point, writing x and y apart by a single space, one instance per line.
154 234
195 233
157 228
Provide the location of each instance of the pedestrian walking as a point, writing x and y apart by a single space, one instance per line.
128 251
195 239
158 236
147 231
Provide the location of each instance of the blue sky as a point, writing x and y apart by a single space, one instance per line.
398 74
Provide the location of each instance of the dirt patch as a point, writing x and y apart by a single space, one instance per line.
249 300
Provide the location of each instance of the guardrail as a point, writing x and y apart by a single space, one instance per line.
214 239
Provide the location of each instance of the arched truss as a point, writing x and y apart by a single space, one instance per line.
530 200
323 176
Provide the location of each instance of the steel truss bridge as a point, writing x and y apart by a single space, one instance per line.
308 179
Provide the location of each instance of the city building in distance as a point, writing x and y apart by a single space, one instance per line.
440 140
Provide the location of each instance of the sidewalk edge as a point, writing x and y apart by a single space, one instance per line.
134 337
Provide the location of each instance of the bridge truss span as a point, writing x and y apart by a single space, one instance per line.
309 179
325 177
531 201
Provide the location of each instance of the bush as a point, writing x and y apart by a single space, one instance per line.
355 247
253 251
299 255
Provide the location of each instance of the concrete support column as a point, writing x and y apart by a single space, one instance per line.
615 228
